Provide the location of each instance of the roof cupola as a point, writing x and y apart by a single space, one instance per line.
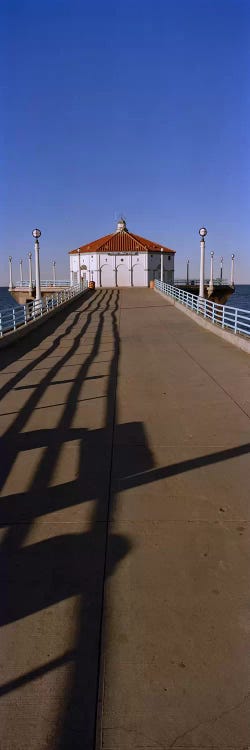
121 225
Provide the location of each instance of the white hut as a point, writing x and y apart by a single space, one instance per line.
121 259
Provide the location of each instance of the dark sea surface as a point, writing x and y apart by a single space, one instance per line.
6 300
241 297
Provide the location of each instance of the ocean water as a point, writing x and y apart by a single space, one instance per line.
241 297
6 300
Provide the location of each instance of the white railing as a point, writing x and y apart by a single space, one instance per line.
196 282
233 318
44 284
57 283
21 315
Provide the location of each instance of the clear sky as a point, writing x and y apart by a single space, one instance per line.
139 107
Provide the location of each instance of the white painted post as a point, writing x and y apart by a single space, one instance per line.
21 271
54 272
221 268
232 270
30 270
211 282
162 272
202 233
36 234
79 266
37 267
131 270
187 272
10 270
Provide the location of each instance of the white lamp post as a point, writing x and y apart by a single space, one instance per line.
221 268
79 264
36 234
10 270
187 272
232 270
162 274
211 282
30 270
202 233
54 272
21 271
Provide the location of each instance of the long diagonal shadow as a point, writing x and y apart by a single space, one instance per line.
155 475
29 507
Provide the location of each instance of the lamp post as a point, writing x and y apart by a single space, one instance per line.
232 270
79 264
54 272
211 282
10 270
162 273
221 268
202 233
187 272
30 270
21 271
36 234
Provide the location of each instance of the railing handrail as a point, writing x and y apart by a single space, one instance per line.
44 283
14 317
233 318
196 282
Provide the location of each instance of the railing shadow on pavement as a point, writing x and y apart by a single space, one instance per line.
36 337
39 575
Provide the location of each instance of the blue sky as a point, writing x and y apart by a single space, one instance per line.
138 107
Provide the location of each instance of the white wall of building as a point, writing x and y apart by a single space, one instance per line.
112 270
154 267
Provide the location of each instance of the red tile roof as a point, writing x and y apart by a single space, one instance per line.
121 242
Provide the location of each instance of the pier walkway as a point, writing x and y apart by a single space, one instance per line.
125 555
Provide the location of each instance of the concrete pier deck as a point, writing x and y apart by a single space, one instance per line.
125 555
